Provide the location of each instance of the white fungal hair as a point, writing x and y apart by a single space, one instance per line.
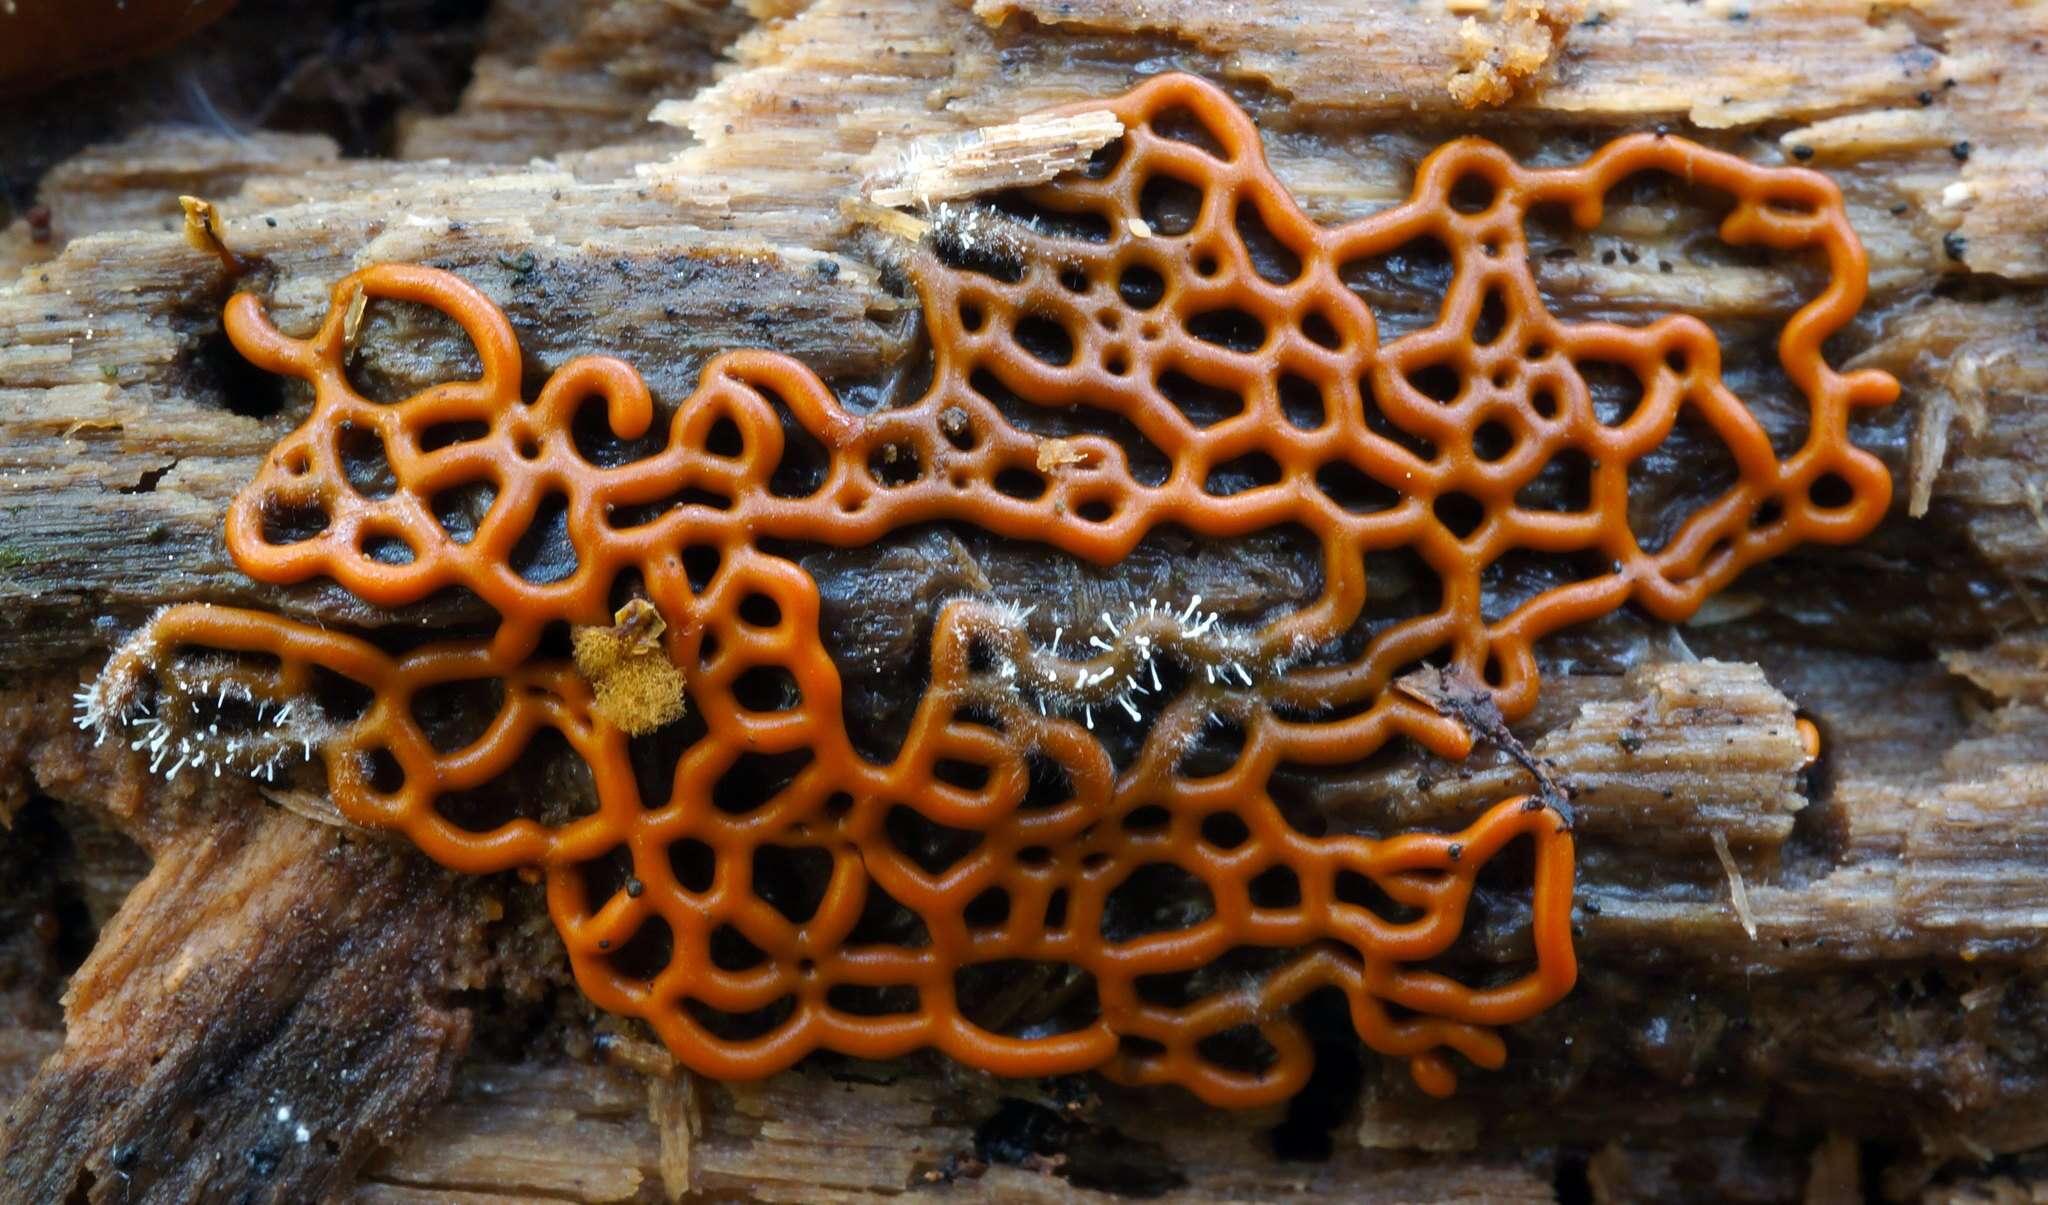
1105 665
198 712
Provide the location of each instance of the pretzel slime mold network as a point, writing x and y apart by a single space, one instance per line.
770 891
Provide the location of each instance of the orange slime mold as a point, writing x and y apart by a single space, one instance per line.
1084 305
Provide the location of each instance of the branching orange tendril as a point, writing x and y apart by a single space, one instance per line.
1100 298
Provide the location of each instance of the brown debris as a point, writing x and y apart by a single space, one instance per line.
1468 701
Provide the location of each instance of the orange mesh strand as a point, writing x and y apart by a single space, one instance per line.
1111 301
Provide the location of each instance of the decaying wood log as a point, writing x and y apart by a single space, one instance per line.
1870 1018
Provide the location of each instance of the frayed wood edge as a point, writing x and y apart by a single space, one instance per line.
1032 151
677 1114
1961 393
884 219
203 233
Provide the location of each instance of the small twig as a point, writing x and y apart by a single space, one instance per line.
1467 700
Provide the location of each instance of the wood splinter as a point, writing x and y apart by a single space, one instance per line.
1031 151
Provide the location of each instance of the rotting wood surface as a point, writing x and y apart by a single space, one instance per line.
1892 998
